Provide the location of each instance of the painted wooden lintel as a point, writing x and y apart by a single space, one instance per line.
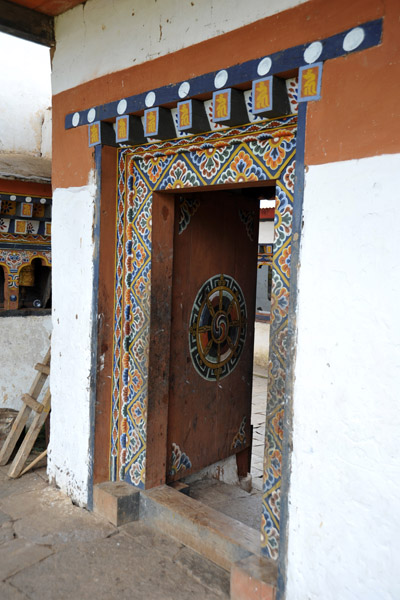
276 63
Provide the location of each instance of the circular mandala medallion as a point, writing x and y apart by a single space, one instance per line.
217 330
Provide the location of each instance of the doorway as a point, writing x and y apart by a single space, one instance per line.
213 302
149 178
212 331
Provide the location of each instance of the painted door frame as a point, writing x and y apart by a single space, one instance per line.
249 155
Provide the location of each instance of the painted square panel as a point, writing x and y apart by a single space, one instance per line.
221 106
185 115
262 95
94 134
310 82
26 209
122 129
151 121
20 226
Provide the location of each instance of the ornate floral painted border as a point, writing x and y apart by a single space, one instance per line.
13 260
255 152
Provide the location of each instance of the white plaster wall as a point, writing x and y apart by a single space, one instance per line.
344 513
24 342
100 37
261 344
266 232
72 255
25 94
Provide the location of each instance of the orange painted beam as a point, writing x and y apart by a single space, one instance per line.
30 188
356 117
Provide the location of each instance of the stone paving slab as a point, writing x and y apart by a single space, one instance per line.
116 567
26 483
8 592
196 566
204 571
48 517
150 539
17 554
6 532
4 517
231 500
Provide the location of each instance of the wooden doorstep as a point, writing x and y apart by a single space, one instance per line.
216 536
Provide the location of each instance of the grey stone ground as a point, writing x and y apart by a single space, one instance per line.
51 549
259 404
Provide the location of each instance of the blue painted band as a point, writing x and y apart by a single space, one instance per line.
8 196
285 60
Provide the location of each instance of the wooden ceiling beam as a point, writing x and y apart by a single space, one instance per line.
26 23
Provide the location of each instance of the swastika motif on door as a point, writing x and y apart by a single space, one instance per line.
217 330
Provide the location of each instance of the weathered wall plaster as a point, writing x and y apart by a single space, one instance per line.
344 519
140 31
25 94
261 330
24 342
261 344
266 232
72 254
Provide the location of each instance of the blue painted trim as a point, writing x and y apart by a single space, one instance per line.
94 332
22 198
297 222
286 60
22 246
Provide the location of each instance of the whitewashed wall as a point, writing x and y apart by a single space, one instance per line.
344 517
261 330
266 232
25 96
142 30
24 342
73 266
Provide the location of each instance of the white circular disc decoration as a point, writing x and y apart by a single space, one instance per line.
184 89
42 200
91 115
122 106
75 119
313 52
28 199
220 79
150 99
13 197
353 39
264 66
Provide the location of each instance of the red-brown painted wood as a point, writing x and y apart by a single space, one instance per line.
105 312
160 318
204 416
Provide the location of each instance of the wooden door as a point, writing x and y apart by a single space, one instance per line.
212 330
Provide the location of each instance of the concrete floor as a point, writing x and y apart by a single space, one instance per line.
50 549
258 411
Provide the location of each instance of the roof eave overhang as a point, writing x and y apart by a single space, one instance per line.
26 23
